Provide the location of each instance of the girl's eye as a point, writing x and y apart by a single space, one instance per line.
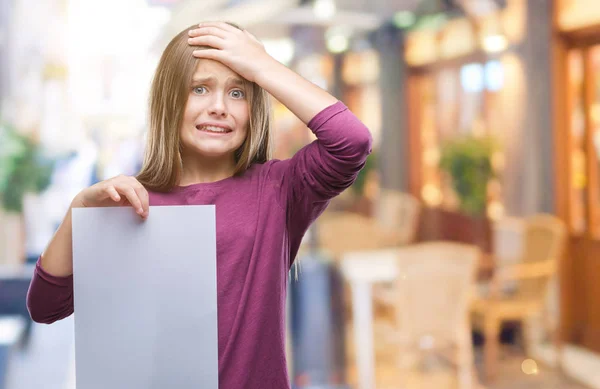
199 90
237 94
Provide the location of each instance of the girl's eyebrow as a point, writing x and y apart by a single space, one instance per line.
236 81
212 79
203 80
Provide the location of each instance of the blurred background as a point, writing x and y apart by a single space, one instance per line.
466 254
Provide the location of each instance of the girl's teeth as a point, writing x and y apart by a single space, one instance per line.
214 129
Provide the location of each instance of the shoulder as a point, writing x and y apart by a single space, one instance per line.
272 169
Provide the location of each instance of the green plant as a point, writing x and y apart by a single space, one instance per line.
468 162
361 179
23 168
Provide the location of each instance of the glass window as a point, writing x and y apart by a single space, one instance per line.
577 159
594 141
472 88
494 76
454 101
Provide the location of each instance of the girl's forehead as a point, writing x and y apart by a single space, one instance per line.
209 68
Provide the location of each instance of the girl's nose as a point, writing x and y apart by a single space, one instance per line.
217 107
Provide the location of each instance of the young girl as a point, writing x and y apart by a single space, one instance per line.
209 143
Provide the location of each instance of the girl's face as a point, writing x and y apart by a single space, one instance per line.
216 117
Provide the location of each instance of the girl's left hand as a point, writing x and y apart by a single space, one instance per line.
237 49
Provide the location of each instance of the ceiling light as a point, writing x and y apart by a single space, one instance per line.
324 9
495 43
337 44
280 49
337 39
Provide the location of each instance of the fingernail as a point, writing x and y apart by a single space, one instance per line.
140 211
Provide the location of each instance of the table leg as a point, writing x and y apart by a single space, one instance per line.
363 334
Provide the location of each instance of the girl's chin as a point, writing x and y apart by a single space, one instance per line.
212 152
211 147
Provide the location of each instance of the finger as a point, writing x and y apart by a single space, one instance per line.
142 194
215 31
112 193
222 25
207 40
128 191
208 54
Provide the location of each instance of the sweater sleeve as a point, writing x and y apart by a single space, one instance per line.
322 169
49 298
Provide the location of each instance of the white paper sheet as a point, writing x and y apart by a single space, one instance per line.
145 298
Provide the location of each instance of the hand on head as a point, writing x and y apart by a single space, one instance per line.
237 49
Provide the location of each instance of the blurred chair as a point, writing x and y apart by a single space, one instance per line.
341 232
398 212
395 223
434 290
544 239
508 239
507 249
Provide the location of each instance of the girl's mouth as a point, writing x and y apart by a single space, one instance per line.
213 129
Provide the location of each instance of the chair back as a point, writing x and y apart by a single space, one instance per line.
435 286
544 240
399 212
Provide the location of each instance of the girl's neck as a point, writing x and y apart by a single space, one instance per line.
206 171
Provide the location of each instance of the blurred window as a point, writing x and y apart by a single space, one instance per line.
457 100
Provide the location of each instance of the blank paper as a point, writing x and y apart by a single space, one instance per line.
145 298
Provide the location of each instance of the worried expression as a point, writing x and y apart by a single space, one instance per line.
216 116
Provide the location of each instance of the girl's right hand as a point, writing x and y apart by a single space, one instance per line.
117 191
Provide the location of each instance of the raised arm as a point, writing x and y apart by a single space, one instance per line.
331 163
327 166
319 171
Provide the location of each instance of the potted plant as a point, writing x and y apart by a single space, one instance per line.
468 162
358 190
24 169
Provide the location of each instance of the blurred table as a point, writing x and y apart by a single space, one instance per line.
361 270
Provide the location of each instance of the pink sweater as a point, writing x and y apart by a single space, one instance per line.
261 219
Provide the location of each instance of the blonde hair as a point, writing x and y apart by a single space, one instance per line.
162 167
